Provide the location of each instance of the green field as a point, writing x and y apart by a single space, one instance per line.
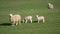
33 8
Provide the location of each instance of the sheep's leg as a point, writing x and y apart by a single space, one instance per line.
13 23
19 22
31 21
16 22
26 21
23 21
43 20
38 21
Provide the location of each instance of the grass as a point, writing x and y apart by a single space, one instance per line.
30 7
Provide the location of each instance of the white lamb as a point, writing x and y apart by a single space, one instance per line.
28 18
50 6
15 19
39 18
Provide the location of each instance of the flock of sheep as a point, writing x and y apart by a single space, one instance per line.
16 19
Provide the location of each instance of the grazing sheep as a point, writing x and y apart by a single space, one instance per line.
15 19
39 18
28 18
50 6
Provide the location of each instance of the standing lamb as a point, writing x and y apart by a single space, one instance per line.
50 6
28 18
39 18
15 19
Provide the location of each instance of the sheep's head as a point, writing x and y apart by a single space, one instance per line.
11 14
49 3
36 15
23 21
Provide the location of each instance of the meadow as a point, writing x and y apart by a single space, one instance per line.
33 8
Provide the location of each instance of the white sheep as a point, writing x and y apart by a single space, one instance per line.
39 18
28 18
50 6
15 19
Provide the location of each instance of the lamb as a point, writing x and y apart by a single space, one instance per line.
15 19
39 18
28 18
50 6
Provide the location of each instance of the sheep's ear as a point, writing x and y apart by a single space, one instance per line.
36 15
48 3
10 14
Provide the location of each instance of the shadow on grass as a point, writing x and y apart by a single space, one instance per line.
5 24
29 22
34 21
9 24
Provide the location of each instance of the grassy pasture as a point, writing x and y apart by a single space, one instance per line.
30 7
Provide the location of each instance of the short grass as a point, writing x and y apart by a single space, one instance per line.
30 7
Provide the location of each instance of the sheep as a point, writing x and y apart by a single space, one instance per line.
28 18
50 6
15 19
39 18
